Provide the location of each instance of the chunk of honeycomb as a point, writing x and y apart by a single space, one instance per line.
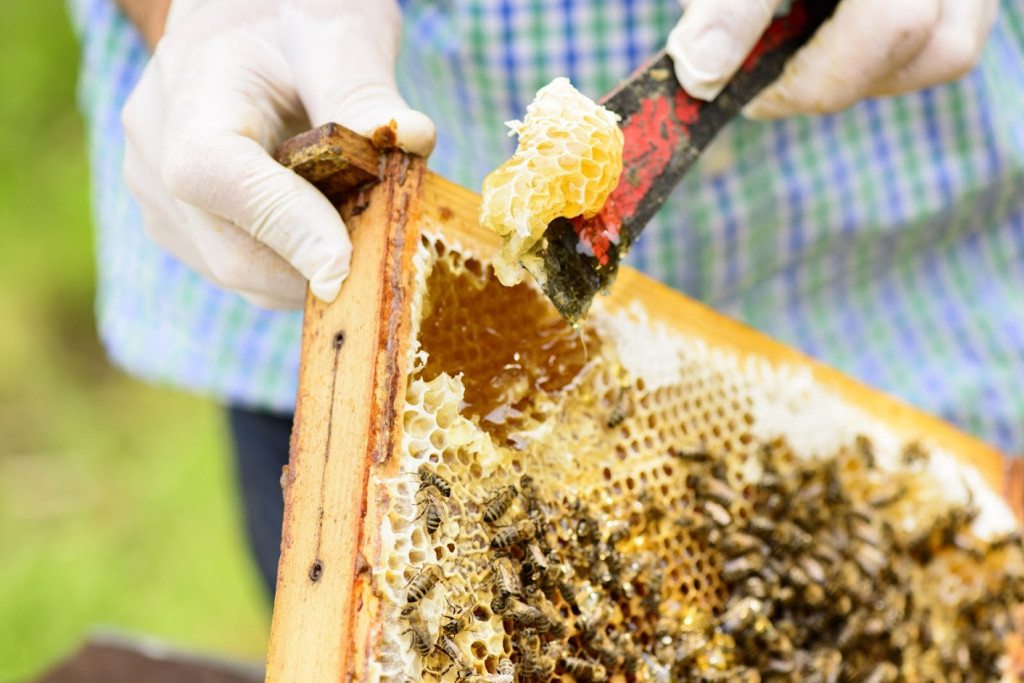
568 161
618 429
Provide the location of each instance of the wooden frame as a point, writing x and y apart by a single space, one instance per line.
353 381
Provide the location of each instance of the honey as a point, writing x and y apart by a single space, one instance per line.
506 342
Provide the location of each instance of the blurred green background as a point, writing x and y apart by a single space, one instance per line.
117 501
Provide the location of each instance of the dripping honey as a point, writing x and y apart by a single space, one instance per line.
508 343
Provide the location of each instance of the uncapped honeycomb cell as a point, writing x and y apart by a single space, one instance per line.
567 162
619 503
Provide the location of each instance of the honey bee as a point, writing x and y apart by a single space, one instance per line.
499 604
797 576
783 666
826 554
505 578
852 630
865 450
812 569
421 642
533 565
421 584
700 527
695 620
653 510
630 652
432 511
717 490
506 673
600 572
887 495
653 581
852 583
689 521
741 615
584 669
811 487
530 497
665 630
564 579
428 477
526 616
739 543
791 536
755 587
618 531
446 645
871 559
864 531
718 514
886 672
828 663
523 530
745 674
740 674
556 624
493 678
598 642
461 620
762 527
698 454
588 532
535 661
785 595
739 568
550 575
914 455
772 482
499 504
622 409
776 505
814 595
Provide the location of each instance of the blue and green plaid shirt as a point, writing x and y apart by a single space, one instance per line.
887 241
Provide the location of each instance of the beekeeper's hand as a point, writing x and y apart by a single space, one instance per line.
867 48
229 81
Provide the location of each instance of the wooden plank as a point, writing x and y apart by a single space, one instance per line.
352 382
335 159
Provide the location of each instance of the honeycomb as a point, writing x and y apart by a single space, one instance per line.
621 503
568 160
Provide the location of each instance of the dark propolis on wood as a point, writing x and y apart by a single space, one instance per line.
335 159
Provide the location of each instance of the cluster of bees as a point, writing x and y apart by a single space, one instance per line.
527 578
824 586
820 584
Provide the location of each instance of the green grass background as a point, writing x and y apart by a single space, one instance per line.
117 500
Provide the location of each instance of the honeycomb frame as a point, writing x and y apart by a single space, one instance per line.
782 380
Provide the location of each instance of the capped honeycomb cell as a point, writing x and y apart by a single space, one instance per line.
568 160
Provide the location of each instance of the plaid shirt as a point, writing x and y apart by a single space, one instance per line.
887 241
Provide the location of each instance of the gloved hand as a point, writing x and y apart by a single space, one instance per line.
230 80
867 48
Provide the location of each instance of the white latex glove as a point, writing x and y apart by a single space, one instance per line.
868 48
230 80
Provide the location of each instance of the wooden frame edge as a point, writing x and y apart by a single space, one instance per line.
348 415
